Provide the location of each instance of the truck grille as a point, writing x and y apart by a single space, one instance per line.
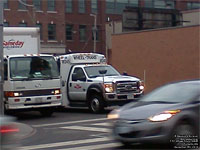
123 87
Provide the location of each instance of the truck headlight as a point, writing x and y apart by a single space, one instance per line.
12 94
56 92
108 87
163 116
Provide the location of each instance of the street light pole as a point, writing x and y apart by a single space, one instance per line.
1 60
94 30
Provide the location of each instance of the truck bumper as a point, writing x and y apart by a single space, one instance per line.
33 102
120 99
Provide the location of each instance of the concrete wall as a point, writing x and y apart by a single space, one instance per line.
164 55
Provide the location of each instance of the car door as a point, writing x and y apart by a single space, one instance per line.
77 84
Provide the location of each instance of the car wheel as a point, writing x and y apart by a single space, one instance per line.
181 135
96 104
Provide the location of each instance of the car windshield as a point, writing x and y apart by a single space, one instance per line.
172 93
36 67
93 71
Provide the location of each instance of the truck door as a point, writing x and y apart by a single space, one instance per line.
77 84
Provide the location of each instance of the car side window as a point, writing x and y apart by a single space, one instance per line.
78 74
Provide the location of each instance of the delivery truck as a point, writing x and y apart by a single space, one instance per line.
87 80
31 79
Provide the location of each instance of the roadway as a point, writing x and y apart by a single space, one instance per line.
68 129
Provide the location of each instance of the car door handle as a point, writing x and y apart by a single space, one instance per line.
70 84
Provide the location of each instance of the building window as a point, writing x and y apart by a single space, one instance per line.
94 6
22 4
5 4
117 6
21 24
193 5
81 6
163 4
37 4
40 26
82 32
110 6
97 33
68 6
51 5
51 32
6 24
69 32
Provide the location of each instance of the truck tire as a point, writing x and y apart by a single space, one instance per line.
46 112
96 104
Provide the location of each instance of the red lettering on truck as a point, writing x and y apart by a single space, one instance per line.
13 44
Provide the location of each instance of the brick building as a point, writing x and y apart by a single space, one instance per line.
158 56
68 24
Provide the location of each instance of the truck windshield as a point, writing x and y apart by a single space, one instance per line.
35 67
93 71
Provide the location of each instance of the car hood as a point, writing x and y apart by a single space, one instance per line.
116 78
143 110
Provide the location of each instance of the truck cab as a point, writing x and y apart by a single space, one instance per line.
89 81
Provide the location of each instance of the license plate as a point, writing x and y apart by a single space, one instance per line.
130 96
38 100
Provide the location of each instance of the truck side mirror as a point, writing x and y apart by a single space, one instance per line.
125 73
102 71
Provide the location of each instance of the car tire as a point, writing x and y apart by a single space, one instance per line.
96 104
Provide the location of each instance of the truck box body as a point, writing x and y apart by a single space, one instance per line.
20 40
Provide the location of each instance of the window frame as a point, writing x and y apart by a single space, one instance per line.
52 36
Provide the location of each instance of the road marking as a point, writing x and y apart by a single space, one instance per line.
87 128
68 143
102 124
69 122
93 147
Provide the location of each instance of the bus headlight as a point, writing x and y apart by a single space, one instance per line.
108 87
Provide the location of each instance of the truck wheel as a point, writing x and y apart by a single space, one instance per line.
96 104
46 112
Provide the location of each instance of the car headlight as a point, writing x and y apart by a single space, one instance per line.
163 116
108 87
113 114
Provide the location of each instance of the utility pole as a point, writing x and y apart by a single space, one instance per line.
1 60
94 30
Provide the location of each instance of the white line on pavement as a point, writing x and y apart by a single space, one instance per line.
69 122
87 128
68 143
102 124
93 147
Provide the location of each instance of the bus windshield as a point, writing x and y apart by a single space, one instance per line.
35 67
